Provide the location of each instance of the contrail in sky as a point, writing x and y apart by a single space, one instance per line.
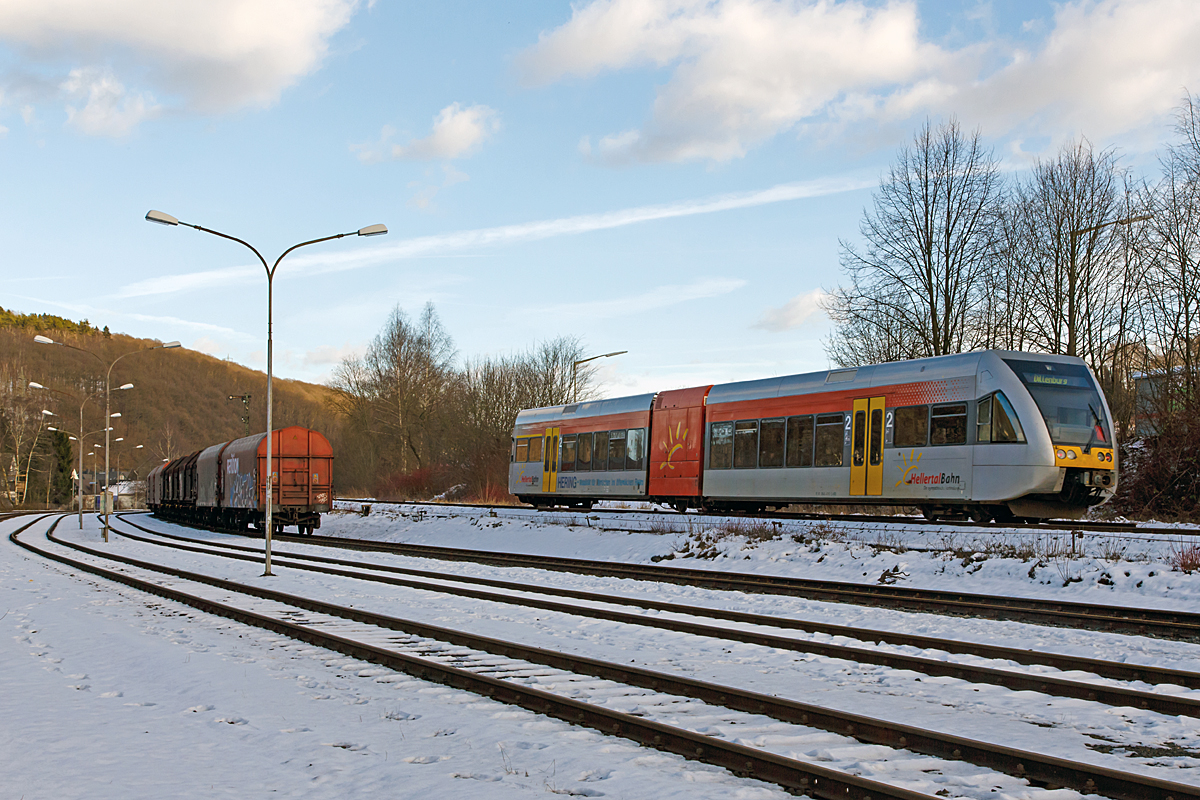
504 234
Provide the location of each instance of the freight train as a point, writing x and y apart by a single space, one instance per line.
224 486
982 435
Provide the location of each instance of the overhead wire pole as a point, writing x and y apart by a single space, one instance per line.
371 230
107 395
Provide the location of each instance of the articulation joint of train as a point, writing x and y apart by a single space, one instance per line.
985 435
224 486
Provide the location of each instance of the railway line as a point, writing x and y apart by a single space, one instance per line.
1042 526
540 680
763 629
1169 624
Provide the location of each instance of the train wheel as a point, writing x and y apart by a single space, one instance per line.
979 514
931 514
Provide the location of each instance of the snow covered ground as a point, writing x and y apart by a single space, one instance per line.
108 692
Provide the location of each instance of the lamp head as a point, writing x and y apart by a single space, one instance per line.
51 428
161 218
126 386
139 447
33 385
44 339
373 230
115 414
48 413
169 346
119 439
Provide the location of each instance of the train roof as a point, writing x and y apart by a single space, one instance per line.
591 408
957 365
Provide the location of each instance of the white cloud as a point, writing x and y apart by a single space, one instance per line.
3 130
743 71
795 312
327 354
425 246
109 109
627 305
212 56
457 132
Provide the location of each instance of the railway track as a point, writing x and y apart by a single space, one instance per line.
683 619
1064 526
1167 624
471 662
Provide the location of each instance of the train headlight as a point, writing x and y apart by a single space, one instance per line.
1071 455
1061 453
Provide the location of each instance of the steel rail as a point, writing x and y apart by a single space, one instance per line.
1047 525
1166 624
1116 670
811 779
1117 696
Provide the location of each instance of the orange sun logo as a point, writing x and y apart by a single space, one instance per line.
673 443
910 463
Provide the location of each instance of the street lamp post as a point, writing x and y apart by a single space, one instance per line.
575 369
371 230
79 491
1071 277
107 397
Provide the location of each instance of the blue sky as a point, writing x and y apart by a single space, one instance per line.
669 178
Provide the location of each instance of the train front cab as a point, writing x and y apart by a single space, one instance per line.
990 434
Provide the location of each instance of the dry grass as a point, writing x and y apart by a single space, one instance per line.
1184 557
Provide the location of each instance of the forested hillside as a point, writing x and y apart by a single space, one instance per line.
179 402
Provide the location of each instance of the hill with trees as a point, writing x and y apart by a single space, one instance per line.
179 403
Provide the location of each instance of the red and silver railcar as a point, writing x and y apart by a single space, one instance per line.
989 434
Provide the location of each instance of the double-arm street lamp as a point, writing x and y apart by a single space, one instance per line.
575 369
79 497
370 230
107 398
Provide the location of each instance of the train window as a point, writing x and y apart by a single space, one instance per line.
829 440
720 445
745 444
948 424
876 447
616 449
583 452
858 456
983 420
996 421
770 443
600 451
799 441
553 454
522 451
568 453
635 448
912 427
535 450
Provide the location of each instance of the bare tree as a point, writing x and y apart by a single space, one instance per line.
929 239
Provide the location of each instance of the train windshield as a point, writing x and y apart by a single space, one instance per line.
1068 400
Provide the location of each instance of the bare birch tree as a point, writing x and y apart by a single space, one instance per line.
921 276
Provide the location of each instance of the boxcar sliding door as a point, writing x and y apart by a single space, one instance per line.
866 455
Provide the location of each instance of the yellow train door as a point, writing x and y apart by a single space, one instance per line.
866 452
550 460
